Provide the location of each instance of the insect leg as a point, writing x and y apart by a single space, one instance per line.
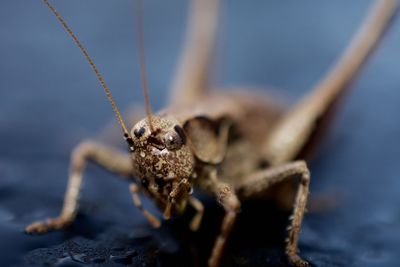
138 203
85 152
259 182
198 206
229 201
191 79
298 133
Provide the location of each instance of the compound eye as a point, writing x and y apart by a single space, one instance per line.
139 132
173 140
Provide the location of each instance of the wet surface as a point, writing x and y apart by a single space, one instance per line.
49 101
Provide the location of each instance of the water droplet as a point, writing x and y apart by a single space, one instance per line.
131 253
122 259
125 257
82 258
67 261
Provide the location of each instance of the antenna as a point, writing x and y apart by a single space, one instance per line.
127 136
140 45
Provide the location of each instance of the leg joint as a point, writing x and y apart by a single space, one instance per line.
81 153
301 166
228 199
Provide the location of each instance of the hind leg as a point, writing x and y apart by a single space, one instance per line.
88 151
260 182
138 204
191 79
298 133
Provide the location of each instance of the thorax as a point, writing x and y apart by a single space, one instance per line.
252 116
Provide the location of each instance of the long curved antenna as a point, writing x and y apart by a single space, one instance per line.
142 62
96 71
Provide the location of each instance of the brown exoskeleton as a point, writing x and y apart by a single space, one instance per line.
234 146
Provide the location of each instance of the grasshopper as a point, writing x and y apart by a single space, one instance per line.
233 145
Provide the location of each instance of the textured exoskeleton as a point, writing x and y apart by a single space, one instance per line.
232 145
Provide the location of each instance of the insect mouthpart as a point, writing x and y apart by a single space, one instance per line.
155 142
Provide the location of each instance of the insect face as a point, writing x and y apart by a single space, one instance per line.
164 161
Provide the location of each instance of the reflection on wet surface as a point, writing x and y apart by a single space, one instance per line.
49 101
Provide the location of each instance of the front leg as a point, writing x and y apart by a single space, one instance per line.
107 158
196 221
229 201
138 204
260 182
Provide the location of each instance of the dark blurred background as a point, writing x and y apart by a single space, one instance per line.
50 100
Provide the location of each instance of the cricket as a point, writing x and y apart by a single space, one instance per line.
233 145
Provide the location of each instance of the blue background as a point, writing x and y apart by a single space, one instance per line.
50 100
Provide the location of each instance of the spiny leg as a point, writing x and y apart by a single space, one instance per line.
261 181
88 151
298 133
138 203
229 201
196 221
